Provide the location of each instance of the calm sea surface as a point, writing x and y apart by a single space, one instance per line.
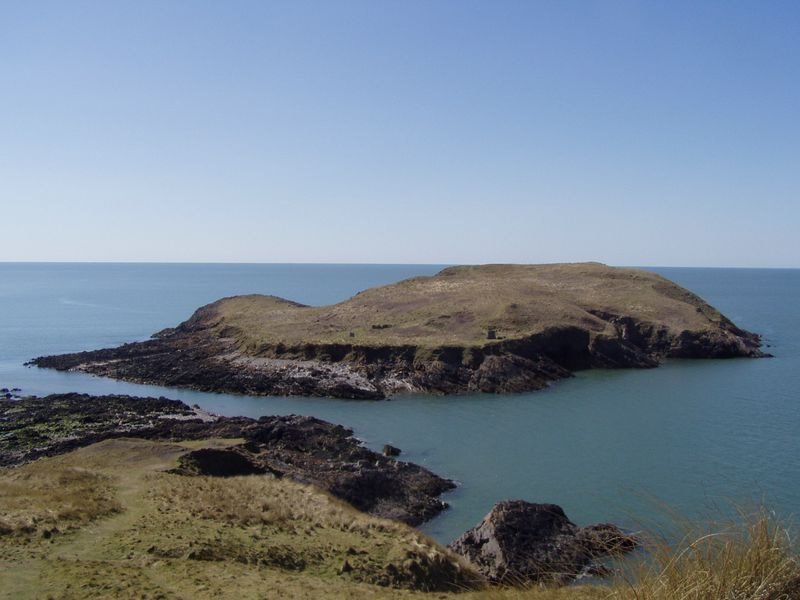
624 446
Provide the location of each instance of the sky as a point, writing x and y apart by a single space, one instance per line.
632 133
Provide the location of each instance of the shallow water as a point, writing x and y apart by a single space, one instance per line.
694 436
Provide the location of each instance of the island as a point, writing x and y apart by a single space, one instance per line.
487 328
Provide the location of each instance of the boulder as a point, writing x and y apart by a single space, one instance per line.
520 542
389 450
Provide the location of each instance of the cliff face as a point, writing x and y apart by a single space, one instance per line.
493 328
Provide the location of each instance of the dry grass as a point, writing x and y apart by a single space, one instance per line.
281 524
753 559
136 529
43 501
127 529
458 305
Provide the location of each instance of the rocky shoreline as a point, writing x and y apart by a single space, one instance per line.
192 356
304 449
190 359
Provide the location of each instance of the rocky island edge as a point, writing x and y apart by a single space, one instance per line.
490 328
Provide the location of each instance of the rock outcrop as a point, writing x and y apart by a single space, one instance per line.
520 542
493 328
303 449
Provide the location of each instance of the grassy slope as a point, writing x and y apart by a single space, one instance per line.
456 306
106 521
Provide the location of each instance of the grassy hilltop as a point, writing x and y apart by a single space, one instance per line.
459 305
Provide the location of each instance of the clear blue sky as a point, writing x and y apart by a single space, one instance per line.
646 133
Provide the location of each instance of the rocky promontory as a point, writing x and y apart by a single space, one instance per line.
491 328
303 449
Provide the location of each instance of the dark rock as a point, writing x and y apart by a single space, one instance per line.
227 462
345 568
520 542
512 373
614 352
187 357
606 539
389 450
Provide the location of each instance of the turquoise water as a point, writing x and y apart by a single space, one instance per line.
694 436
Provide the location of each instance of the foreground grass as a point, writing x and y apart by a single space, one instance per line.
108 521
755 557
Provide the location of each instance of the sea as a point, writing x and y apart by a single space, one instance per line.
693 439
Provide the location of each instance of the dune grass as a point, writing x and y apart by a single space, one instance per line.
754 557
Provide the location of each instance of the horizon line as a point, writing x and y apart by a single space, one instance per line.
310 263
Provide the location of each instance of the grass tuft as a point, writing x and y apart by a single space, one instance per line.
42 501
753 559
